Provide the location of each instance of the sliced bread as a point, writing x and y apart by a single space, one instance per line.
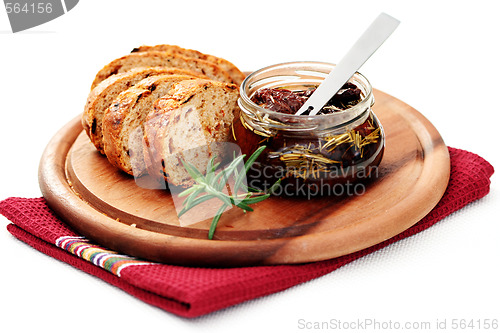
236 75
187 124
164 59
101 97
122 124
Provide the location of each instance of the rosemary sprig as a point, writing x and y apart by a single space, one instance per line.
212 184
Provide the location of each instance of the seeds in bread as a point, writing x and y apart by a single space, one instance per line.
122 124
163 59
101 97
188 124
236 75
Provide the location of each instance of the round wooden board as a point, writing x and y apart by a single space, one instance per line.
108 207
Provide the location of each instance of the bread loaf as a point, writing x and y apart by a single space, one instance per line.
164 59
236 75
122 124
104 93
187 124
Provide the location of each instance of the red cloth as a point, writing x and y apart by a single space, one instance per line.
191 291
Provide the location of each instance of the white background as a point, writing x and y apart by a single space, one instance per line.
442 60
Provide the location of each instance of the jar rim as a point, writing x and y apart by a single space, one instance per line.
303 65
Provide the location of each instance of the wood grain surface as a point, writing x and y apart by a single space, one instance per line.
107 205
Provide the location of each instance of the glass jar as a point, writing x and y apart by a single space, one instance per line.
310 154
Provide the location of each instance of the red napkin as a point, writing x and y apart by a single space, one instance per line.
191 291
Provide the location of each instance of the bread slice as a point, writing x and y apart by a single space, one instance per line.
122 124
236 75
164 59
101 97
188 124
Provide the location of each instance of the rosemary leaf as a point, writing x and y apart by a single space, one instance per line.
251 189
248 165
253 200
222 178
201 199
188 201
215 221
210 165
193 172
253 157
188 191
275 186
210 172
195 202
244 206
232 167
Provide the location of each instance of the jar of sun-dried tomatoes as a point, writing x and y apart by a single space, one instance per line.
311 155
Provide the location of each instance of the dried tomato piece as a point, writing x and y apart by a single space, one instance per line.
289 102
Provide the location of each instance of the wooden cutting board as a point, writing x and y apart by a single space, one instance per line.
107 206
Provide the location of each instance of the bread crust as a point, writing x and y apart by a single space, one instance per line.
164 59
123 121
236 75
101 97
